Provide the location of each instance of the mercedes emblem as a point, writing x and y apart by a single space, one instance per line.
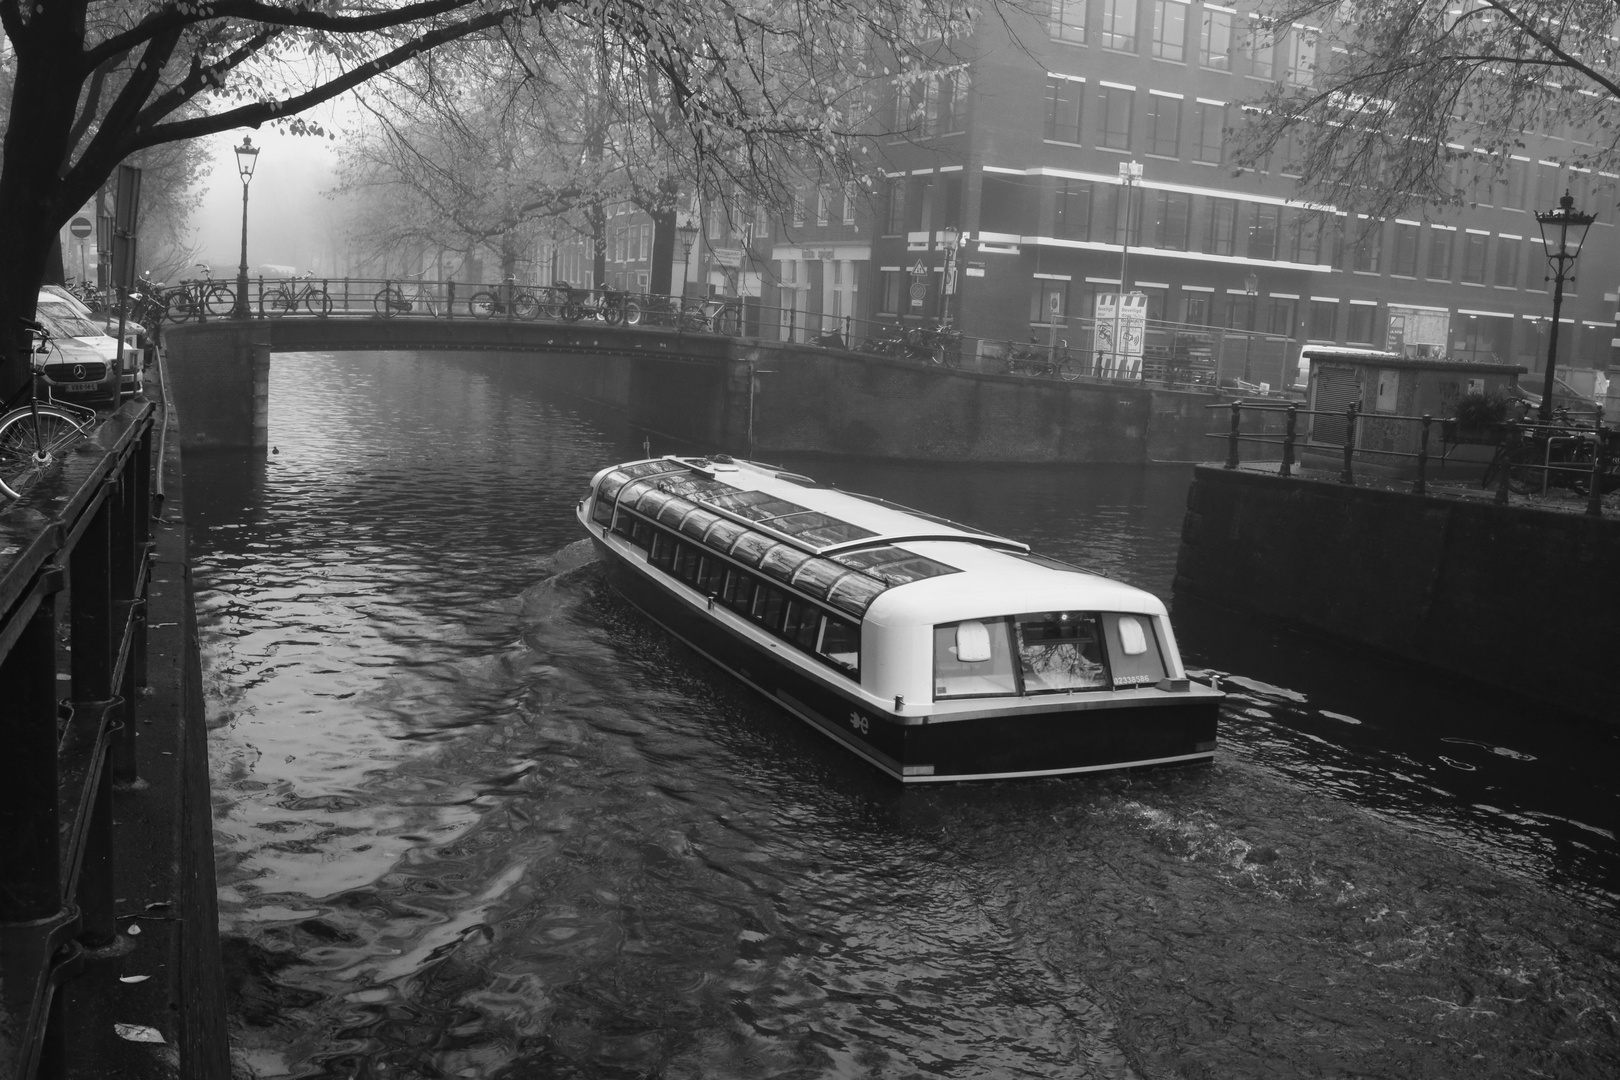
78 372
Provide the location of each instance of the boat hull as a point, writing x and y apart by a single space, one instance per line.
1014 743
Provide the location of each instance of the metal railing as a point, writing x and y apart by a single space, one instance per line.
82 533
1555 467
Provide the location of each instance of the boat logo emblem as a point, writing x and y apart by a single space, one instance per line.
858 722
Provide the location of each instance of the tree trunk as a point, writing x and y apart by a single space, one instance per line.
663 253
597 215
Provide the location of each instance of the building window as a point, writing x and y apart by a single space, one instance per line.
1278 316
1302 236
1215 39
1071 210
1164 124
1260 45
849 204
1518 175
1264 226
894 291
1369 249
894 218
1440 243
1239 312
821 207
1222 232
1473 260
1324 320
1167 217
1195 308
798 210
1301 70
1064 99
1044 295
1119 25
1406 250
1507 261
1170 30
1117 107
1068 21
1359 328
762 223
1209 132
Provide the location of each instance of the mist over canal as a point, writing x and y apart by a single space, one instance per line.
476 816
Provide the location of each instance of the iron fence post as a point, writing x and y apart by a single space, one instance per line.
1510 442
1347 474
1232 436
1288 442
1420 486
1594 495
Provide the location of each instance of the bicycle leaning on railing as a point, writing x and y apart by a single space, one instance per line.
392 299
1563 454
1040 361
284 299
194 298
505 299
38 434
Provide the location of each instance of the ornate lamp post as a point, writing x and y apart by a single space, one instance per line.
247 156
686 233
1556 229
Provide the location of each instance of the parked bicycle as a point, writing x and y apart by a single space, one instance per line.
1039 361
1539 457
506 300
658 310
606 303
284 299
394 299
711 316
941 345
38 434
197 297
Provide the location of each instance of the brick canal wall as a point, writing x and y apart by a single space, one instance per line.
1513 597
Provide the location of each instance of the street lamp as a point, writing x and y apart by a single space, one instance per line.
1556 226
687 234
247 156
1129 173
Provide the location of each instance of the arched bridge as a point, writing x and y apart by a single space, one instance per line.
741 395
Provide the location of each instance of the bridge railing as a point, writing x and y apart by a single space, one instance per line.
77 542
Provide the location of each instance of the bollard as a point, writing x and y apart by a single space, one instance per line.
450 299
1510 442
1288 442
1347 474
1594 496
1419 486
1232 436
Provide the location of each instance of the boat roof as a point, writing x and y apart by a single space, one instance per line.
853 549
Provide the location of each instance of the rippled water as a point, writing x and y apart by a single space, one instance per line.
476 817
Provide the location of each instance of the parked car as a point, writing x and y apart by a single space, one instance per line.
68 319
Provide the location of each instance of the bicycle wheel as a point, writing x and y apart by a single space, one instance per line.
1065 370
317 302
1524 476
612 313
277 302
632 313
219 299
389 302
482 305
526 305
178 305
27 447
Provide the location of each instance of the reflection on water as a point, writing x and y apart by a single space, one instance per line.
476 817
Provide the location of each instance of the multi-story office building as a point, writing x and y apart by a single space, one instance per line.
1022 154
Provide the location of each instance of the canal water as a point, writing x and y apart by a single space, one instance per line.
476 817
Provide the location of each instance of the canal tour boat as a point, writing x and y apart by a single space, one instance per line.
933 650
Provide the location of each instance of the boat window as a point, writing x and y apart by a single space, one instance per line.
768 604
640 532
894 565
803 624
1060 651
686 562
960 677
674 510
1134 654
662 552
751 547
655 468
841 644
711 574
722 534
652 500
606 492
816 576
854 593
835 532
781 561
696 488
697 523
755 505
739 591
633 491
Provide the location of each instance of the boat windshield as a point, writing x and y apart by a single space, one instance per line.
1048 652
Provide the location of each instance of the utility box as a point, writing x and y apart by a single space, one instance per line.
1385 387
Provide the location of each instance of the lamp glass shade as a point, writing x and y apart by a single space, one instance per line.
1563 231
247 155
687 233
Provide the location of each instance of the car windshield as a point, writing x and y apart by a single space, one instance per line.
62 321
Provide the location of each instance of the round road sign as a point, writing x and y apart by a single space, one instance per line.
81 227
918 290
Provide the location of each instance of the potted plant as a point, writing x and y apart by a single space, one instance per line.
1477 418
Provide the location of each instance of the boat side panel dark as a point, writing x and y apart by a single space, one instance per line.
1064 741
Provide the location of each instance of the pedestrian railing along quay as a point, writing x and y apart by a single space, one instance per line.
75 564
1526 457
